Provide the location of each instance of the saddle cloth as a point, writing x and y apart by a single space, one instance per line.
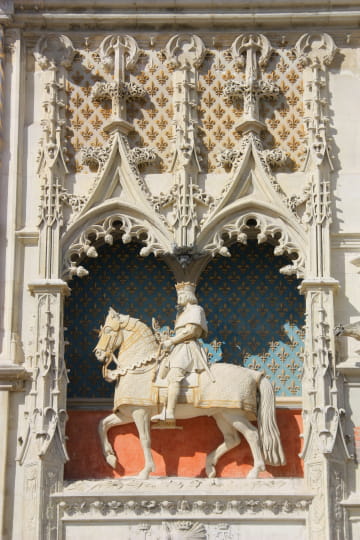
189 389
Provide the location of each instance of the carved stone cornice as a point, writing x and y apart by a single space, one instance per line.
52 286
13 377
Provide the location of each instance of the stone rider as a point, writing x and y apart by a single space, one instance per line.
185 353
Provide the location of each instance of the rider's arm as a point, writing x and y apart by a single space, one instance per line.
189 331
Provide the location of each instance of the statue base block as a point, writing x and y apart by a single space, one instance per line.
166 424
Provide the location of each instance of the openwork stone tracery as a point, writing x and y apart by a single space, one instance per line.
185 188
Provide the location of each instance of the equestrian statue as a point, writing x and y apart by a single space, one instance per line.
158 380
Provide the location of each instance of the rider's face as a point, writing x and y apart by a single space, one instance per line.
181 298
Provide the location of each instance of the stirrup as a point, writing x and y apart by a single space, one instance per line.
161 417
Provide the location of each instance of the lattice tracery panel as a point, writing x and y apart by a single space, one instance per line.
87 116
153 116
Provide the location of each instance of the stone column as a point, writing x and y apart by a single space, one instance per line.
325 452
42 451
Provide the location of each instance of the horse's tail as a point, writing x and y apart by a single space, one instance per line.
268 430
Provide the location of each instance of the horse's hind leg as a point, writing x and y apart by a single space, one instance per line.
105 424
142 420
251 434
231 439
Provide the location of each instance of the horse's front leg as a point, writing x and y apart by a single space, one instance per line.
105 424
142 420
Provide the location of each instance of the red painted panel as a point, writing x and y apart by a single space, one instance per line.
176 452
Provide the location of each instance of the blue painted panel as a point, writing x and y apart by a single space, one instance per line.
255 312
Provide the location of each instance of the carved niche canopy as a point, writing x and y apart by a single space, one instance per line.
169 194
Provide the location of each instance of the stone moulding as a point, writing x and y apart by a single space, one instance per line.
184 498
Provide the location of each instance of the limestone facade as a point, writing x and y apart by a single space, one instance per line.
185 126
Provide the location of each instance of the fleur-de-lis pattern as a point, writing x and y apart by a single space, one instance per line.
153 115
255 315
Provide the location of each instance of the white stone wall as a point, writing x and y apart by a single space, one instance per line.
35 252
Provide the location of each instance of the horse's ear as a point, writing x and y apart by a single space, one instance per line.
112 311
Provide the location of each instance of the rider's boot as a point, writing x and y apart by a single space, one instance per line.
173 394
168 412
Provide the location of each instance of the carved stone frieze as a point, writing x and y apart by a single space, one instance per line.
183 498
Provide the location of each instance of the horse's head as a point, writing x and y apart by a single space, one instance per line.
110 334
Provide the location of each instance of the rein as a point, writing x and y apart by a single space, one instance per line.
134 338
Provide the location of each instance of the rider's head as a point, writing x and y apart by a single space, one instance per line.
186 293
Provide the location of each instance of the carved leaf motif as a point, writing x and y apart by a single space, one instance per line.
315 47
124 43
185 50
54 49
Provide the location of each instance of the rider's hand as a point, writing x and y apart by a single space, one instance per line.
167 345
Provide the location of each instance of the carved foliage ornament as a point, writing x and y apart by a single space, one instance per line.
312 48
53 50
125 45
185 51
117 223
265 229
232 507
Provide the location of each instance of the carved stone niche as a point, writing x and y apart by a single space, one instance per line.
186 508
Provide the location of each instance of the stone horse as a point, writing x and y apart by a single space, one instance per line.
231 400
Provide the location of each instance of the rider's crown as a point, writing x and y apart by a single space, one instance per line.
185 286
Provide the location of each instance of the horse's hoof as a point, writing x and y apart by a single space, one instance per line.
254 472
111 460
143 475
210 471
